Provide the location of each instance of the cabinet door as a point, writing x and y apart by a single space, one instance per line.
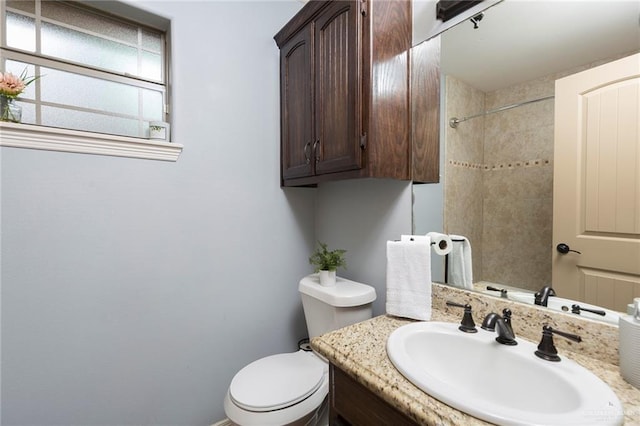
350 403
296 106
337 88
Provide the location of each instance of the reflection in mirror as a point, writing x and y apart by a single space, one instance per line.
498 166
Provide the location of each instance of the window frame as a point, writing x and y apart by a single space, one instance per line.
34 136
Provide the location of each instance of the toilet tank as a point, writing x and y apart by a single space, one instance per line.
330 308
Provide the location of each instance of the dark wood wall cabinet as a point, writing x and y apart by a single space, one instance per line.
345 93
350 403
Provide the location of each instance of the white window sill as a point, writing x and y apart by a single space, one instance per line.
19 135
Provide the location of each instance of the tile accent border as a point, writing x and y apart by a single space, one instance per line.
510 165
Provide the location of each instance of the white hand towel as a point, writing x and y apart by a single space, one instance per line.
460 270
409 279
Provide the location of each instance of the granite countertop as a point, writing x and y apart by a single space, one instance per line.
360 351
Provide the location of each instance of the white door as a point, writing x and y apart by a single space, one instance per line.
596 193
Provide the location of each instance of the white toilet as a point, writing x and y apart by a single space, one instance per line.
292 388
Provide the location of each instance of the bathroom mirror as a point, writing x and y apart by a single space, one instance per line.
497 169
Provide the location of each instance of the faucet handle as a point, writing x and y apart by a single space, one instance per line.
467 324
576 309
503 292
546 349
506 315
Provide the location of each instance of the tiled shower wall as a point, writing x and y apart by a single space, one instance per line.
499 181
518 187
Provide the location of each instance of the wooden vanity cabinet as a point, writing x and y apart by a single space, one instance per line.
344 92
350 403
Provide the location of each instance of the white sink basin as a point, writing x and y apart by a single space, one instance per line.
564 305
497 383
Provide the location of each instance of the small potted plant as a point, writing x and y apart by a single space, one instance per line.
326 262
159 130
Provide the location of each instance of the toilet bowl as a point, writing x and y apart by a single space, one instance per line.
282 389
292 388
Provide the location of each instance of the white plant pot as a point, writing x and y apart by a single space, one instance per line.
328 278
159 130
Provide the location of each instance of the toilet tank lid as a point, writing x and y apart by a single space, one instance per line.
345 293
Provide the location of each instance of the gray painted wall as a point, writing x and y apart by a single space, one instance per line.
133 290
428 217
361 216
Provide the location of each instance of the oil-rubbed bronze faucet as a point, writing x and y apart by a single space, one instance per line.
501 324
542 296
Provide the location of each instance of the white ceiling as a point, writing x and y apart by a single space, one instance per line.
520 40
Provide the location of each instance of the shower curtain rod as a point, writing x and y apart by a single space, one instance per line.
455 121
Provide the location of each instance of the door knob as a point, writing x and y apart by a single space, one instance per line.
564 249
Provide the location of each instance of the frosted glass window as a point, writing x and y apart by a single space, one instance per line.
76 34
97 71
83 48
152 105
151 66
21 32
152 41
88 92
83 19
88 121
28 112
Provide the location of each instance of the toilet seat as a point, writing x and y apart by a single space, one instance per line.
277 381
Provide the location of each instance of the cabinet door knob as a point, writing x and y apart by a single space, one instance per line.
564 249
